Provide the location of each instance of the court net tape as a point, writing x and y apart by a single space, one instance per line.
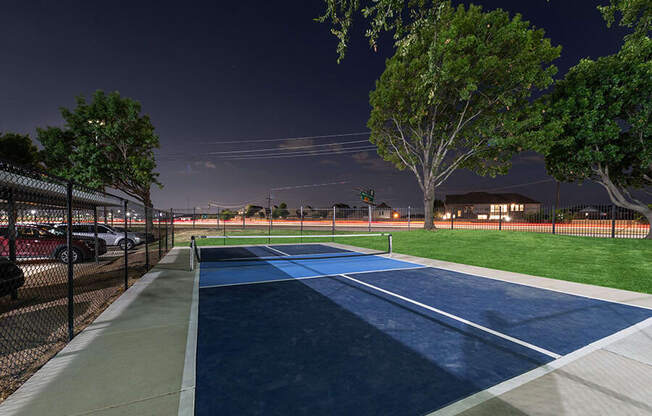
252 248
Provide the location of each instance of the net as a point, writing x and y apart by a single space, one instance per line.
254 248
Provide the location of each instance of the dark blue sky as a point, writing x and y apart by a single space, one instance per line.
221 71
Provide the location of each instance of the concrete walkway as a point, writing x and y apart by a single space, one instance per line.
132 360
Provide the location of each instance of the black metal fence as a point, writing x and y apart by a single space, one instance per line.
65 253
607 221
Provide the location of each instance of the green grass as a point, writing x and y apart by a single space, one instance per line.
618 263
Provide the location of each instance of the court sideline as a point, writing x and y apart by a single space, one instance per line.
131 360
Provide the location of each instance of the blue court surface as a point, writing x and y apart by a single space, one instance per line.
368 335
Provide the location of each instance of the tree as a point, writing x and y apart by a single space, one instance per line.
251 210
383 16
597 122
455 95
227 214
106 142
19 149
280 211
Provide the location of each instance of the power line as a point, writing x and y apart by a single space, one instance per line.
298 153
313 185
288 148
305 154
256 140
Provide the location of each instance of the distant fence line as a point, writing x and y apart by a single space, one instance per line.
607 221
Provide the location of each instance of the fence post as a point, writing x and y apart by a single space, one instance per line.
97 243
111 217
11 224
333 228
126 255
369 207
500 217
193 217
172 225
217 217
158 218
105 221
613 221
71 270
167 232
554 217
147 214
452 219
409 218
301 226
243 217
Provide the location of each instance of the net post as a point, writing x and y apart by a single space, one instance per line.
390 243
409 218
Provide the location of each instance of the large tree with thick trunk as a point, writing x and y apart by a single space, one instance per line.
455 94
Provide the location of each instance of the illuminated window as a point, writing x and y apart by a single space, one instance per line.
495 209
516 207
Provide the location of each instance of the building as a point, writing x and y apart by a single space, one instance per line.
486 206
383 211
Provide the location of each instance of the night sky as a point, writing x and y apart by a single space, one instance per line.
210 72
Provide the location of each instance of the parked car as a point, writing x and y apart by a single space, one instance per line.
33 241
149 236
110 235
11 278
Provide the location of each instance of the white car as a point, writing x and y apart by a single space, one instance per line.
104 232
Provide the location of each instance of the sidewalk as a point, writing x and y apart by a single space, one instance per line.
129 361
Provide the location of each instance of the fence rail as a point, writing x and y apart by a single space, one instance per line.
65 253
607 221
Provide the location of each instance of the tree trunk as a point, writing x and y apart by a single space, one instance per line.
428 205
648 214
147 201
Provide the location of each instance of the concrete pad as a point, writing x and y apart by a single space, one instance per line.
164 405
601 383
636 347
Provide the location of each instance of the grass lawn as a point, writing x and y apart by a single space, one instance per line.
618 263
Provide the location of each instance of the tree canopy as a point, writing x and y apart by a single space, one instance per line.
18 148
455 94
597 121
104 142
383 16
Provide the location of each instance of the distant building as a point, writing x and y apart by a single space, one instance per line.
383 210
486 206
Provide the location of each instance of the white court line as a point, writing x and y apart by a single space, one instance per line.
187 392
420 260
278 251
513 383
309 277
457 318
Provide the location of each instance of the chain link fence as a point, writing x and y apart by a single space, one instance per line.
66 252
607 221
